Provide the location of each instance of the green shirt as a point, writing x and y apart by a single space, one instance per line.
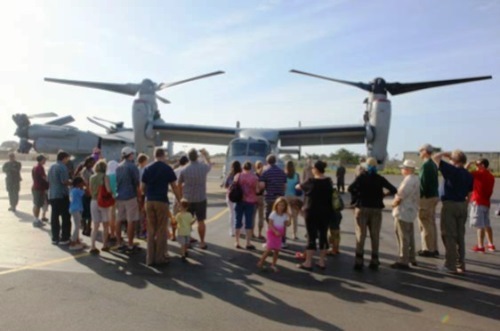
429 180
95 181
184 220
13 171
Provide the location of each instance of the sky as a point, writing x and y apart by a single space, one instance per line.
256 43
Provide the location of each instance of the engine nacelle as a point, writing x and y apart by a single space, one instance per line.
24 146
142 121
379 123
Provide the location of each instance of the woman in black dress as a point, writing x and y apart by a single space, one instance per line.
318 212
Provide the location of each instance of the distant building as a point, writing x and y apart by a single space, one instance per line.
493 157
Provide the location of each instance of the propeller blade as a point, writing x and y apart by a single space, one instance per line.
162 99
129 89
61 121
107 121
42 115
91 120
165 85
400 88
363 86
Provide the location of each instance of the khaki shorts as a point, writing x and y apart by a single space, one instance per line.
39 198
128 210
98 214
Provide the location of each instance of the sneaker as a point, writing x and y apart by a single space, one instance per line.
55 242
425 253
45 219
76 247
373 266
64 243
132 250
491 248
477 249
38 224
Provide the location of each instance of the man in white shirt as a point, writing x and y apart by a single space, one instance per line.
405 211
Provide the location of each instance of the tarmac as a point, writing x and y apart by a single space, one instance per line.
47 287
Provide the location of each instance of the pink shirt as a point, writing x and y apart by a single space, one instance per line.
248 182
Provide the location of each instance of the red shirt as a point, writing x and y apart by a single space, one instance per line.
40 182
483 187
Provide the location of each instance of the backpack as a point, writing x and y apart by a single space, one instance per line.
104 198
235 193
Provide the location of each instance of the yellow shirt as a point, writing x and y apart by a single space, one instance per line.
184 220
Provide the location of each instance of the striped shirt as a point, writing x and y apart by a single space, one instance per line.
193 179
275 180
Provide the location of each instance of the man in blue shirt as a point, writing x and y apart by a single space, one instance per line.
58 178
127 205
458 184
155 180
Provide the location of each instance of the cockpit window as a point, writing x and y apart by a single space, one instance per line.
238 148
257 149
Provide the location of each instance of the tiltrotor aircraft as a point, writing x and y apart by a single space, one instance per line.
255 144
55 135
377 116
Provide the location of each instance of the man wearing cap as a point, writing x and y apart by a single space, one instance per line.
458 184
428 200
405 210
193 186
480 204
368 188
155 181
127 193
12 170
39 189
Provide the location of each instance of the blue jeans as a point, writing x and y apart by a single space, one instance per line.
247 209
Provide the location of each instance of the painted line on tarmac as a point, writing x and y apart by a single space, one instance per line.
77 256
42 264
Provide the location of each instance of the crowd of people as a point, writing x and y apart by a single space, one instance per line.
132 196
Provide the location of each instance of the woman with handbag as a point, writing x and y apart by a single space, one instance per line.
102 200
235 169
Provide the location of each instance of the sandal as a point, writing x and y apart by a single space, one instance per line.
237 246
274 268
250 247
300 256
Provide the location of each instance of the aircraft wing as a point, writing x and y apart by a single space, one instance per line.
124 136
322 135
198 134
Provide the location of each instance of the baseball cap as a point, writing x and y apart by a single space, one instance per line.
427 147
127 150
